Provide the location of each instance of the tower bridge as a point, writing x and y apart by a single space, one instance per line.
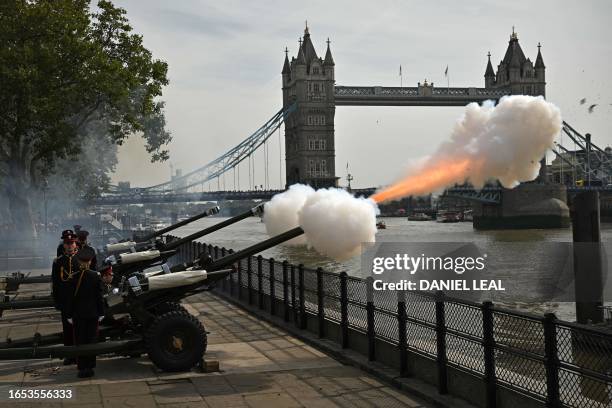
309 84
310 96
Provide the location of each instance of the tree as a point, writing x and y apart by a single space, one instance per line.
66 69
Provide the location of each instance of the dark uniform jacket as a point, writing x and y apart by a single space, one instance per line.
94 260
87 301
63 270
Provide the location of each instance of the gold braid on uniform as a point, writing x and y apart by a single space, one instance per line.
82 270
69 276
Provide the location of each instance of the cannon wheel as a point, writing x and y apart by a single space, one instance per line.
176 341
166 307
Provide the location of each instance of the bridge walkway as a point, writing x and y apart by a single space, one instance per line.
260 366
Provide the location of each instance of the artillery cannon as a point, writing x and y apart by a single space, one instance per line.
11 283
139 256
156 323
147 241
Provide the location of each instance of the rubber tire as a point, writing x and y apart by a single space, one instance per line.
166 307
159 333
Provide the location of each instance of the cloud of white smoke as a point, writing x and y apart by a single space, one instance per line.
504 142
281 213
336 223
510 138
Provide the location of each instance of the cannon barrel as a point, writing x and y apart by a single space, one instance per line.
131 262
163 288
253 211
11 283
253 249
215 271
211 211
28 303
27 353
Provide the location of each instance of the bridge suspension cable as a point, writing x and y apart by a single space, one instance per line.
280 160
229 160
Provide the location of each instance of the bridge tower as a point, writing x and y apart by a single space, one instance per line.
519 76
517 73
308 81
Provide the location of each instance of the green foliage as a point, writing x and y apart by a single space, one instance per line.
66 66
68 74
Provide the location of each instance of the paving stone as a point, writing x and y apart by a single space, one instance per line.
303 391
30 404
123 369
135 401
263 345
213 386
177 392
317 402
84 395
253 383
271 400
193 404
226 401
124 389
403 398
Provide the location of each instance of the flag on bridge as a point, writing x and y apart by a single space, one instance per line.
446 71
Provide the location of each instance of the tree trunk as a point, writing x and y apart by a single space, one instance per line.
18 195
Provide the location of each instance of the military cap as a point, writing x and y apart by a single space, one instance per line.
106 268
86 254
68 238
82 235
66 233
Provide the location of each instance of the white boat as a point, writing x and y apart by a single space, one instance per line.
419 217
449 216
468 215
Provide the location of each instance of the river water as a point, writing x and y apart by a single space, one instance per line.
503 242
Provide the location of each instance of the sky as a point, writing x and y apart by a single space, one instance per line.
225 60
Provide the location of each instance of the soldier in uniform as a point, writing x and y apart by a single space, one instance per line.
85 309
106 274
82 242
60 247
62 272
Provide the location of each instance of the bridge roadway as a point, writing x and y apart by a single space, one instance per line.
261 366
423 95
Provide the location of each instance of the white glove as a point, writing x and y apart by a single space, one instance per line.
69 320
100 318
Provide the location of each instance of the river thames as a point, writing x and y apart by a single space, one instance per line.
518 250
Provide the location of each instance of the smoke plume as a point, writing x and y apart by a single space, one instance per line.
281 213
335 223
504 142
